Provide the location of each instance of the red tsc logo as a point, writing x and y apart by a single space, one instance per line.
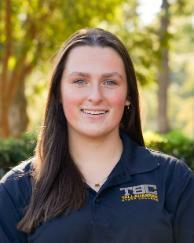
140 192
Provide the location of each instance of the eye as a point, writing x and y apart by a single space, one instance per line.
110 82
80 82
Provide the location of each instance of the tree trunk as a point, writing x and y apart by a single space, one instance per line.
163 73
13 114
4 104
18 119
4 124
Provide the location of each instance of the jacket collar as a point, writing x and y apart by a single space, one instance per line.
137 159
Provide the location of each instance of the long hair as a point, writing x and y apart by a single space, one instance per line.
57 184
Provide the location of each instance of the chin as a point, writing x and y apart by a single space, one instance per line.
98 133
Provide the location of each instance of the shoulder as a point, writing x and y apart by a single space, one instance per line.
16 184
141 159
170 163
174 175
170 167
15 192
20 170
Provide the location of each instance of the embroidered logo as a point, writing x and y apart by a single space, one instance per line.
140 192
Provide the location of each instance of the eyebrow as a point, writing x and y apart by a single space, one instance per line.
104 75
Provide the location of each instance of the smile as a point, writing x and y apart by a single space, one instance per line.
94 112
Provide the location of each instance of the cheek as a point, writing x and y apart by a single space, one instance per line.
71 97
70 101
118 99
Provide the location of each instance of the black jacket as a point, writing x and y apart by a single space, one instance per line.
147 198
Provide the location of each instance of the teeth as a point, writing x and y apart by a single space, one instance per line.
94 112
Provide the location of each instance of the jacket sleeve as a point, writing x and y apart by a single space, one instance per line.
184 207
9 217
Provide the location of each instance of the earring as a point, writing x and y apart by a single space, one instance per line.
128 104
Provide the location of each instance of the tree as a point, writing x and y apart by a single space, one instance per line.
31 29
169 15
152 46
21 47
163 69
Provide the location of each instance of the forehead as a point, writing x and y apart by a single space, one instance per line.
89 57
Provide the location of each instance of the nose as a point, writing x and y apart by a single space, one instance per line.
95 94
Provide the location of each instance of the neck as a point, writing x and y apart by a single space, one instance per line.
95 157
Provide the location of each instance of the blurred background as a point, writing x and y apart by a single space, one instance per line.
159 35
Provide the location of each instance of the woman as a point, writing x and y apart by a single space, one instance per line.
92 179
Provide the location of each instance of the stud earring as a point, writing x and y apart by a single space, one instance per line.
128 104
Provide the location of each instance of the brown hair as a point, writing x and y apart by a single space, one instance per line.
58 185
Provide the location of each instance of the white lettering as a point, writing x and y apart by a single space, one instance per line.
140 189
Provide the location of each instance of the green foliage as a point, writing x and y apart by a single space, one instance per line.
173 143
141 41
14 150
38 27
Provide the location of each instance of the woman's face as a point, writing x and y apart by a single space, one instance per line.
93 91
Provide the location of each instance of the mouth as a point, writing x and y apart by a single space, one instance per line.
94 112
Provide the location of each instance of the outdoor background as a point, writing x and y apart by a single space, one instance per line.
159 35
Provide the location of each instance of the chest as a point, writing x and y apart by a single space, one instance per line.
130 212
